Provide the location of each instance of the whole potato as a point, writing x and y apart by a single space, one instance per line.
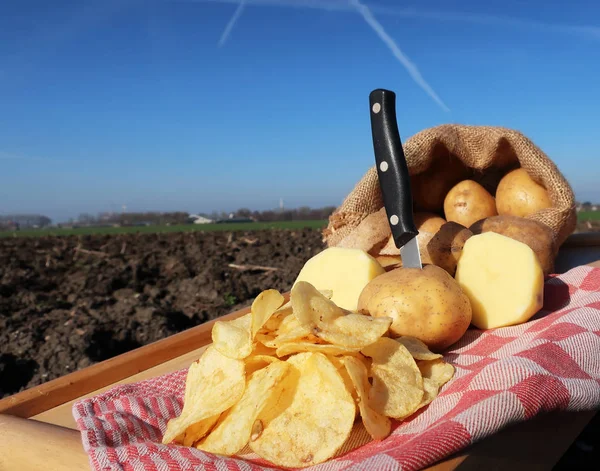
370 235
430 187
427 224
424 303
536 235
518 195
389 262
445 247
468 202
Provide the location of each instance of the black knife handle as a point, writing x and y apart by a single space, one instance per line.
391 166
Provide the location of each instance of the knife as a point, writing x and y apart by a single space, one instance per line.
393 176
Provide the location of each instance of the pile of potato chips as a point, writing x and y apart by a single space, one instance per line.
290 380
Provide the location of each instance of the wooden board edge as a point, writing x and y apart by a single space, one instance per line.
536 444
35 400
26 444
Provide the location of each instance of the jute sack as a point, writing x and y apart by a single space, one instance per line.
440 157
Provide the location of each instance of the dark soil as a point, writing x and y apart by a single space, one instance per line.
68 302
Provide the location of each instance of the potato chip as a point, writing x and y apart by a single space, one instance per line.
339 365
257 362
232 338
288 324
312 417
378 425
333 324
296 347
417 349
286 310
353 330
397 382
257 430
213 384
437 370
435 374
274 322
264 339
199 430
294 335
263 307
261 349
311 307
234 430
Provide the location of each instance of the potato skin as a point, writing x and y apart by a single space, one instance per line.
468 202
424 303
445 247
536 235
428 224
430 187
518 195
389 262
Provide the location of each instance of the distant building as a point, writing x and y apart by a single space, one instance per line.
197 219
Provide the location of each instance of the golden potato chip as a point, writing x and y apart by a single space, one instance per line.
261 349
294 335
233 431
296 347
353 330
329 322
311 307
397 382
339 365
435 374
197 431
277 318
213 384
283 320
417 349
311 418
263 307
378 425
256 362
257 430
288 324
233 338
264 339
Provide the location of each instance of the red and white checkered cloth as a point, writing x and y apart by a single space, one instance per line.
503 376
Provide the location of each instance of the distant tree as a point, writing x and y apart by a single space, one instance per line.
86 219
243 213
25 220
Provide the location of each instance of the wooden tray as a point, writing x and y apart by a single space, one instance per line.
37 429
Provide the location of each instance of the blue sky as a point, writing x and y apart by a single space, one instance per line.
160 105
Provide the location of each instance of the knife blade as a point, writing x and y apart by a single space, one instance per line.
393 175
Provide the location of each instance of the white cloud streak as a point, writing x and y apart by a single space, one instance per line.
349 6
588 31
236 16
411 68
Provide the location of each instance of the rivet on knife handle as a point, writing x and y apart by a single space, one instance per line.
391 166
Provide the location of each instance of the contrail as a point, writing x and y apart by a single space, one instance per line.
389 42
236 16
435 15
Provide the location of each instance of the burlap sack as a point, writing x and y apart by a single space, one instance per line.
488 152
